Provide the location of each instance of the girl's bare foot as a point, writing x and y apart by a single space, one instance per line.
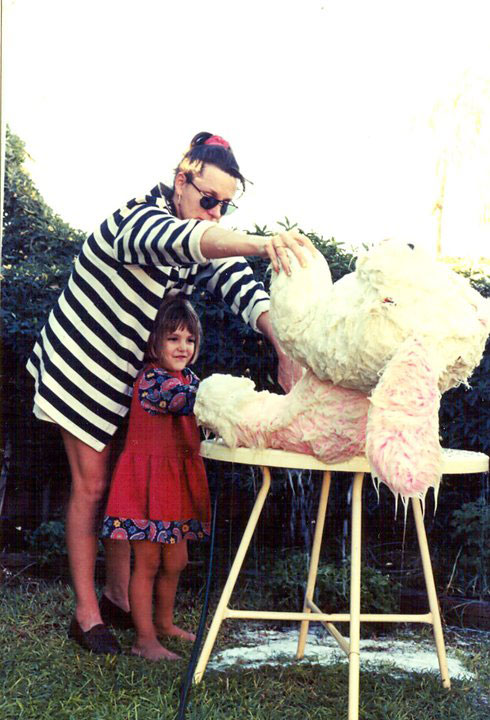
152 650
175 631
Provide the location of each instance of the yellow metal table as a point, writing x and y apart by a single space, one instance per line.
455 462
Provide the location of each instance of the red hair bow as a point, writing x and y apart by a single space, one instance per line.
217 140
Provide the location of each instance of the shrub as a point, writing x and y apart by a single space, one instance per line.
47 541
38 250
471 525
283 582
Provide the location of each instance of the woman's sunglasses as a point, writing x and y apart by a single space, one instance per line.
208 202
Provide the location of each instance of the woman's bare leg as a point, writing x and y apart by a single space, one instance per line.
147 559
174 560
89 476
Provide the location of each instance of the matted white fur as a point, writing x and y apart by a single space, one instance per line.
380 346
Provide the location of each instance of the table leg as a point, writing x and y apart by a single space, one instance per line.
232 577
431 592
315 556
355 599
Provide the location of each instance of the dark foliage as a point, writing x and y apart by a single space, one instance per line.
38 250
38 253
465 410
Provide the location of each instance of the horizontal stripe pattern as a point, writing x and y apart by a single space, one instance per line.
92 346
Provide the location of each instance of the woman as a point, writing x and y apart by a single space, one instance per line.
92 346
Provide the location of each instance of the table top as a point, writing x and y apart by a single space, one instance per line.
455 462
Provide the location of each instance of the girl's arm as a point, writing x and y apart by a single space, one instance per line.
162 393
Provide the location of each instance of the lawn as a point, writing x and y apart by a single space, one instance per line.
44 675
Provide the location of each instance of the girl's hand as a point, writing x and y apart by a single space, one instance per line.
276 247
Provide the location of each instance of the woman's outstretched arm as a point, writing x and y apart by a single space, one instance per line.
217 242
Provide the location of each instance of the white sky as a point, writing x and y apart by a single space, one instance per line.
326 104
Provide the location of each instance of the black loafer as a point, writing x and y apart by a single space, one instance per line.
98 639
114 616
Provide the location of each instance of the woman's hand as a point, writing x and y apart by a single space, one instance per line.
276 246
216 242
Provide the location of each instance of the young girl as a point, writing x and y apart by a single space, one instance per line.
159 495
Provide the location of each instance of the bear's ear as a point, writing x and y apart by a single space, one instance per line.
402 437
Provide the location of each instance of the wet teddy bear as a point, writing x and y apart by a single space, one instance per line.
379 347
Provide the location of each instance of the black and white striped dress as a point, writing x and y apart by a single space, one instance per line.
92 346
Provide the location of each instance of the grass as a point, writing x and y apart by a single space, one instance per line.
44 675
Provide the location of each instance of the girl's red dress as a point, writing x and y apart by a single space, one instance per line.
159 489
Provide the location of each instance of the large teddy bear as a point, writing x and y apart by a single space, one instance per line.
379 347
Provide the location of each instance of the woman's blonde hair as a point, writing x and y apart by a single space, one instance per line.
174 312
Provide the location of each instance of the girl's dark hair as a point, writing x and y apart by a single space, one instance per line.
174 312
200 154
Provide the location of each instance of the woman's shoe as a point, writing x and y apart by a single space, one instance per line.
114 616
98 639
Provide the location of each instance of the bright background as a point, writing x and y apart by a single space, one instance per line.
347 115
